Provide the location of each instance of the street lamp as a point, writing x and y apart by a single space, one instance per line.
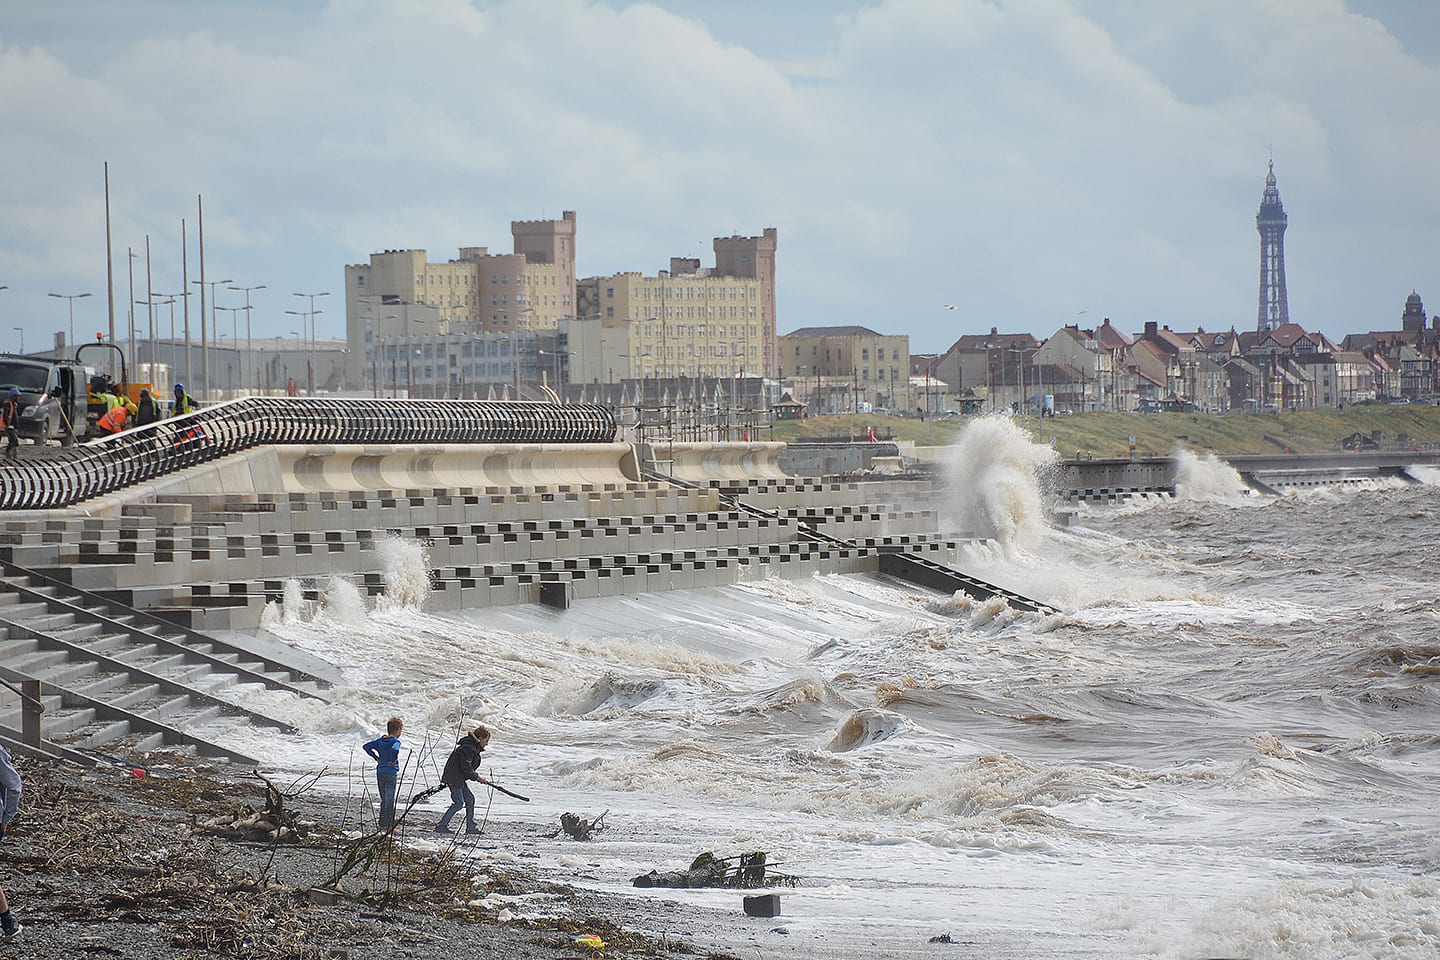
1020 372
71 297
312 313
172 299
554 356
514 348
308 315
248 342
204 339
235 341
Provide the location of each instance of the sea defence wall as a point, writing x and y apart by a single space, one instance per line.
1110 479
361 468
833 458
703 462
157 451
485 524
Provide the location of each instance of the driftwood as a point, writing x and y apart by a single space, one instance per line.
577 827
273 824
744 871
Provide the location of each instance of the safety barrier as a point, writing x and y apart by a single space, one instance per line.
156 449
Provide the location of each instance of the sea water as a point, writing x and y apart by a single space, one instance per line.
1226 744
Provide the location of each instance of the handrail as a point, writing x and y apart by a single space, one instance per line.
156 449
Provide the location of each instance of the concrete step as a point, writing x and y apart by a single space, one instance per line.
135 694
68 673
98 733
36 662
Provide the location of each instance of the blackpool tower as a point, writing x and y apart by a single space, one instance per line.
1270 221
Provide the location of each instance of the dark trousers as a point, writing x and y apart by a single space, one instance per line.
12 442
389 785
460 797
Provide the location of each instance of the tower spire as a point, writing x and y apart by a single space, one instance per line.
1271 222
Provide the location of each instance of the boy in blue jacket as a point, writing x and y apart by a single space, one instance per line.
386 753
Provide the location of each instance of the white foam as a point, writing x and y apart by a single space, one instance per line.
341 600
1207 478
407 571
994 472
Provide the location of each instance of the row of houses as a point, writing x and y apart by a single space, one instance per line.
1286 368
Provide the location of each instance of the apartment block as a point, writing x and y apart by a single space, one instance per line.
684 322
398 292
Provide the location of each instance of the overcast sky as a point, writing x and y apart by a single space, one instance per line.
1031 163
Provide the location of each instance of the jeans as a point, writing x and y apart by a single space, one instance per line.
389 785
460 796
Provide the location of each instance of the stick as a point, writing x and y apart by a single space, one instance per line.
508 793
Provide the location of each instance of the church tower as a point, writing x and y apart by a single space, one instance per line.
1271 221
1413 318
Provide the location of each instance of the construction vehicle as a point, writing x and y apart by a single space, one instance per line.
61 399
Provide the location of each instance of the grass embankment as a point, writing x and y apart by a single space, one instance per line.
1107 434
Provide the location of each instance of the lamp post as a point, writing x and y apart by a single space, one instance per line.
640 404
22 339
171 299
204 339
71 297
554 356
149 304
514 347
1020 374
307 316
312 312
248 341
235 342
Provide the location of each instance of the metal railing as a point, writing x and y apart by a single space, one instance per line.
154 450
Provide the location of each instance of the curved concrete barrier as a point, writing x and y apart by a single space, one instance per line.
701 462
359 467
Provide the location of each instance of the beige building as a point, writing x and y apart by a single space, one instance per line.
754 258
824 362
686 322
845 352
532 288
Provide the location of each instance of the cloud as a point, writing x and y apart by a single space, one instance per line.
1023 161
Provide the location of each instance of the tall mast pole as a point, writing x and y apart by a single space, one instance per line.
185 295
204 341
109 263
150 306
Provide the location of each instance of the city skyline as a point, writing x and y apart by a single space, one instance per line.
1021 162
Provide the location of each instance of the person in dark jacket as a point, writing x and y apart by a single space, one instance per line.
10 787
10 419
460 769
147 410
385 751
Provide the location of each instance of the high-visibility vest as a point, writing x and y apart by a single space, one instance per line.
114 419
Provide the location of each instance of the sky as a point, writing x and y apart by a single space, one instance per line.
1029 164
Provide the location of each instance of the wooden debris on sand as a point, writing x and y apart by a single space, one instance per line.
577 827
744 871
273 824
